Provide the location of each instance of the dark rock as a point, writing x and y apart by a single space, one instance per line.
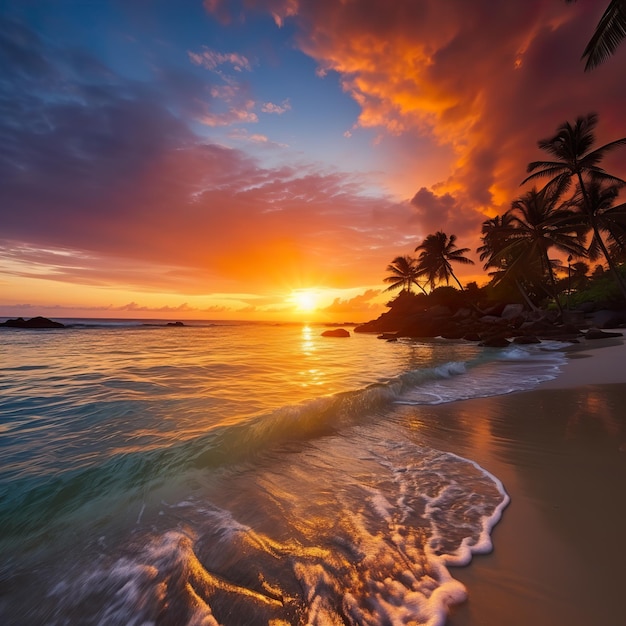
337 332
495 342
422 325
536 326
596 333
606 319
463 313
587 307
512 311
491 319
526 339
453 333
439 310
35 322
471 337
174 324
495 310
576 318
388 336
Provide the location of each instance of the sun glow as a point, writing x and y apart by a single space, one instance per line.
305 300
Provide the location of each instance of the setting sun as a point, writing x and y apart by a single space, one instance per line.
305 300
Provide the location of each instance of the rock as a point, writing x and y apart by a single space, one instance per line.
596 333
463 313
495 342
337 332
35 322
495 310
491 319
439 310
576 318
511 311
606 319
526 339
471 337
587 307
174 324
388 336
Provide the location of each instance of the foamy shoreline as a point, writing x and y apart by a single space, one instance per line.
559 450
592 362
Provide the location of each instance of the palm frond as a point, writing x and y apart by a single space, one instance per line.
609 33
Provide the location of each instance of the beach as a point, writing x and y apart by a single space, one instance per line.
560 451
253 474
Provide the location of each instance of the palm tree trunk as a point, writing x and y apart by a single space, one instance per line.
455 278
546 260
596 231
525 296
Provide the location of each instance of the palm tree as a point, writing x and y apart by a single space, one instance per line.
577 275
495 238
571 147
403 273
611 219
540 224
609 33
516 244
437 252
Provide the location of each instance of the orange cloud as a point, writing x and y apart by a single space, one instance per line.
486 81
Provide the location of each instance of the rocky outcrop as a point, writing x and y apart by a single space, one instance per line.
34 322
607 318
337 332
596 333
495 326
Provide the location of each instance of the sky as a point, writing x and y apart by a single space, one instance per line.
267 159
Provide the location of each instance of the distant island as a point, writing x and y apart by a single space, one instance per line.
34 322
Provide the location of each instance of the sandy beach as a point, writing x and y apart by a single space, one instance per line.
560 450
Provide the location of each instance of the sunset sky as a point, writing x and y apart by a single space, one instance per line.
259 159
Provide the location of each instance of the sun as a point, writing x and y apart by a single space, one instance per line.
305 300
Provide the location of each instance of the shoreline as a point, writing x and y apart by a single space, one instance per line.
592 362
560 452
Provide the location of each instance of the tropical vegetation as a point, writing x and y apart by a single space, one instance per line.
574 216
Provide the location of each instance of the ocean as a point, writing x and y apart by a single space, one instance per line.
239 473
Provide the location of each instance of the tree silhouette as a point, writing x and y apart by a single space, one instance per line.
538 224
437 252
609 33
403 273
574 158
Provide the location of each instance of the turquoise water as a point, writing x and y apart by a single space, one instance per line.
237 474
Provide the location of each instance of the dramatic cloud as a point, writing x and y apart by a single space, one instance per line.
487 81
168 166
105 185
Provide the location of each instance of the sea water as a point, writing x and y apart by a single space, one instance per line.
232 473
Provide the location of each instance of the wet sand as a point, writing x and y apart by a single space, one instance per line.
560 549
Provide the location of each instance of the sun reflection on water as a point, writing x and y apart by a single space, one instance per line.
312 375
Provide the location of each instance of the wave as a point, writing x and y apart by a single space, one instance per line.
33 503
328 540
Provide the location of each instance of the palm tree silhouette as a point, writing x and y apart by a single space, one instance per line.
516 244
495 237
571 147
609 33
538 224
436 253
611 219
403 273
